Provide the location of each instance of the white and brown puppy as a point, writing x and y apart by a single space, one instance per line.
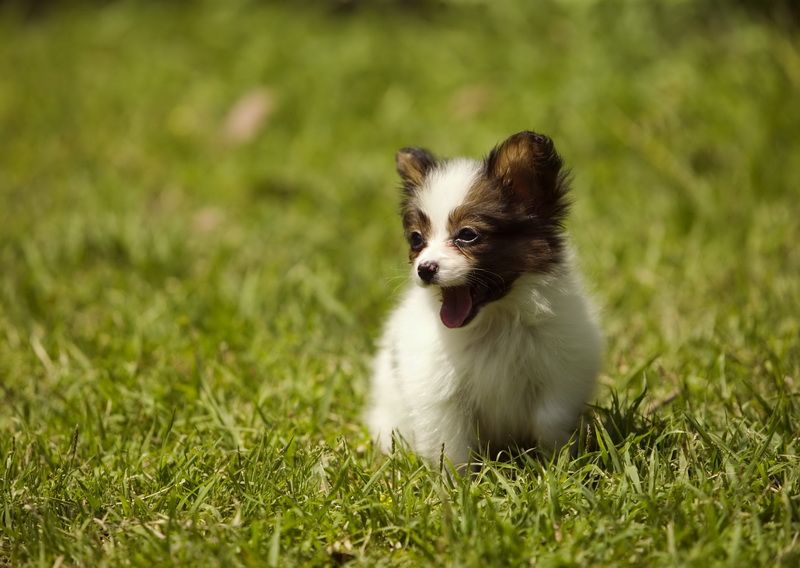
495 345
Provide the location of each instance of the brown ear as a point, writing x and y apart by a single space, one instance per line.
529 169
413 164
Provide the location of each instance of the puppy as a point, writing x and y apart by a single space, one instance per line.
495 345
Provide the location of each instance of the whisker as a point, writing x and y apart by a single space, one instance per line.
483 271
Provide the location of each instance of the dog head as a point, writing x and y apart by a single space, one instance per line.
474 227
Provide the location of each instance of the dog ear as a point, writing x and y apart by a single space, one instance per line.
529 171
413 164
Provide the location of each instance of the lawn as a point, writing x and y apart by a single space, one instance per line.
199 241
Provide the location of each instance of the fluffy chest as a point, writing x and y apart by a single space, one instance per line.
494 367
497 366
502 373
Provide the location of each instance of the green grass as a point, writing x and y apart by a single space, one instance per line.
186 323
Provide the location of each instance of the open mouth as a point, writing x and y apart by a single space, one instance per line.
460 304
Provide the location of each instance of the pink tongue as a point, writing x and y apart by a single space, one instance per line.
456 306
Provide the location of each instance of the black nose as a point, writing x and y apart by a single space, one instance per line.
427 270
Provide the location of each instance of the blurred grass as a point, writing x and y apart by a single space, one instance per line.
186 320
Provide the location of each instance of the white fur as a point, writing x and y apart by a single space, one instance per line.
522 370
443 190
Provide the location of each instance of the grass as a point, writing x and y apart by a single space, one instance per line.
187 319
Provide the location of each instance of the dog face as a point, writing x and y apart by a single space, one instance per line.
474 227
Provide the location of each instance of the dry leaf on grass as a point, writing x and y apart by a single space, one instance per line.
248 115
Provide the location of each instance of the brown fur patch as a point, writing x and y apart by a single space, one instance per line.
529 168
517 207
415 220
413 164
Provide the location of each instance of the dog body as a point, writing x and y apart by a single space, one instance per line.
494 345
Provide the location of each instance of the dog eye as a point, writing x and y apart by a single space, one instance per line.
416 241
467 235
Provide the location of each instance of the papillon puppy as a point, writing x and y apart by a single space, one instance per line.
495 345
